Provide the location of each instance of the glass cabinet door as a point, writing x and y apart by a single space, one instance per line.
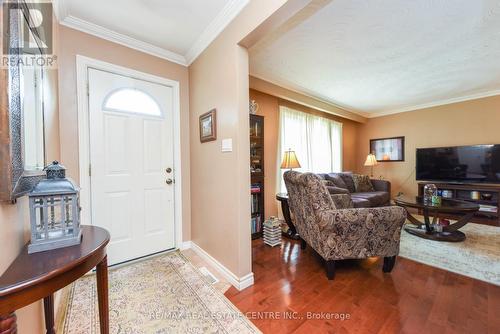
256 145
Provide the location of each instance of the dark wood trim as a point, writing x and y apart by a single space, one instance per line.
102 291
486 218
8 323
48 310
258 177
403 146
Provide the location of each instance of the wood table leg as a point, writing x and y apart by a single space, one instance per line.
285 209
48 310
102 295
8 323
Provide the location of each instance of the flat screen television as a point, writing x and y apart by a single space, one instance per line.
461 164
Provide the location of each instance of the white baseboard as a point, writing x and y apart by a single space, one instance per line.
239 283
185 245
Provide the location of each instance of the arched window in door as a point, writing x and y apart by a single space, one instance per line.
131 100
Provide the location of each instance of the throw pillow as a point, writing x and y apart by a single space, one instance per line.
362 183
328 183
336 180
347 178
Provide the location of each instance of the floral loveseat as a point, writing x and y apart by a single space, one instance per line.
336 233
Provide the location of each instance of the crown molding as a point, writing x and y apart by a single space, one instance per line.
218 24
388 112
112 36
434 104
313 96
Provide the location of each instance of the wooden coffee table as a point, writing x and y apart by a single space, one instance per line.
448 206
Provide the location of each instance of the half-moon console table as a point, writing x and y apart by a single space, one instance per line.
32 277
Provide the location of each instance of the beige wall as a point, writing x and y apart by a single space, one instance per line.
269 108
220 182
14 233
74 43
464 123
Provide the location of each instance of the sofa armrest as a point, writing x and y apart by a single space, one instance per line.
337 190
360 233
381 185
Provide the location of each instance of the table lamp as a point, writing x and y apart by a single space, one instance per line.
371 161
290 160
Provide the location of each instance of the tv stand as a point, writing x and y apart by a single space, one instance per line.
490 208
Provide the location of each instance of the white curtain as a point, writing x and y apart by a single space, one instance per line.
317 141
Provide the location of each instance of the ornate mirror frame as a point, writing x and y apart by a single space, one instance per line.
15 181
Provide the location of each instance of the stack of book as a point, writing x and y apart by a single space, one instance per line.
272 232
256 224
255 191
255 204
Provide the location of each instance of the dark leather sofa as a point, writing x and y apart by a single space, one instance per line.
343 184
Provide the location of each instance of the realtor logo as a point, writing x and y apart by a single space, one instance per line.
27 33
27 28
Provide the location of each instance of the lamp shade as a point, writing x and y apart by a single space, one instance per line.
290 160
371 160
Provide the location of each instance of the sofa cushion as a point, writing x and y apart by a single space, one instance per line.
347 178
336 180
362 183
359 202
376 198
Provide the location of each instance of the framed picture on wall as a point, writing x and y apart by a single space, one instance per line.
208 126
388 149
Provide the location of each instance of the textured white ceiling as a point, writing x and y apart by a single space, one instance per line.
169 24
386 56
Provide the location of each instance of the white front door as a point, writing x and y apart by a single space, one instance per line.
131 157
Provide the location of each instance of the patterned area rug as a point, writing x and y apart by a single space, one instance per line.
164 294
477 257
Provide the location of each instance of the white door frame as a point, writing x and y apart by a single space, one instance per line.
82 66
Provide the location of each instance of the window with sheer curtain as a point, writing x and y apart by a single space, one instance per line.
317 142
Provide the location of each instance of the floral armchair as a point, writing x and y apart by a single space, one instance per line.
338 233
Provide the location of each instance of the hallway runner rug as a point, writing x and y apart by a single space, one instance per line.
163 294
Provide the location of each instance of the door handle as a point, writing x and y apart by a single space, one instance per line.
169 181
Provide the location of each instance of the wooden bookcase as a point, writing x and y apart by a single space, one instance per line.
463 192
257 174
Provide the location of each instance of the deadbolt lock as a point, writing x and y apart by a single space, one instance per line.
169 170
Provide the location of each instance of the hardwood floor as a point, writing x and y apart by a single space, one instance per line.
414 298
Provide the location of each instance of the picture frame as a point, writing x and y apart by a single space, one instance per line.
208 126
390 149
